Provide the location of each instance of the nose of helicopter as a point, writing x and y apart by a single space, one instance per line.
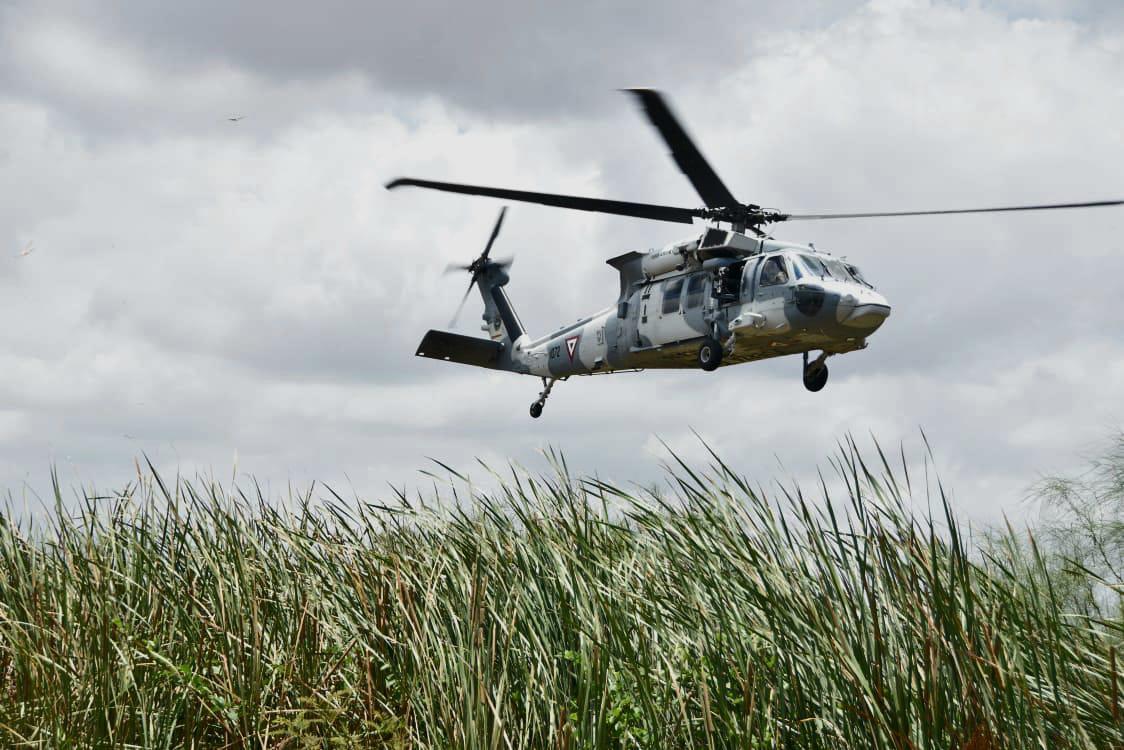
868 315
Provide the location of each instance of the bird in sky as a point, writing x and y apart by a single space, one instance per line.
28 249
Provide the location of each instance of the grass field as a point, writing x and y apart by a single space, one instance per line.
553 612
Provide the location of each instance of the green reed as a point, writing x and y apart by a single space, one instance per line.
550 612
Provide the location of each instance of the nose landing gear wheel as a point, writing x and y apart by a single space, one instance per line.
815 377
710 355
536 410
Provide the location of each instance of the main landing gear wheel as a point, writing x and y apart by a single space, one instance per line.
815 372
815 378
536 407
710 354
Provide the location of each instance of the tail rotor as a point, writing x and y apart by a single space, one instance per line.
479 266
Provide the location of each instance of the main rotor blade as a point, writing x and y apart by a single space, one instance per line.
690 160
1040 207
599 205
495 232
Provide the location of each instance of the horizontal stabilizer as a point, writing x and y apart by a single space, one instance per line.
467 350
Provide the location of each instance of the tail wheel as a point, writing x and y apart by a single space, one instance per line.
710 355
815 377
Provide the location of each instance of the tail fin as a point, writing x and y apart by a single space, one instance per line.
499 306
500 320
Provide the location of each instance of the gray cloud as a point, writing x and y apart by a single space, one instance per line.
202 289
505 57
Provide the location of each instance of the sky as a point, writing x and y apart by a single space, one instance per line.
244 299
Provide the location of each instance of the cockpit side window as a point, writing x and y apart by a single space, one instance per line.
774 271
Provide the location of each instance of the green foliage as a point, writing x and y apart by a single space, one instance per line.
553 612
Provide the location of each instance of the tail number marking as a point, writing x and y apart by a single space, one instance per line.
571 348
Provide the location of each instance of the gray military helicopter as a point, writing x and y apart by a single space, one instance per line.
723 297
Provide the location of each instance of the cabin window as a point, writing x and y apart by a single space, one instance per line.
774 272
671 292
695 291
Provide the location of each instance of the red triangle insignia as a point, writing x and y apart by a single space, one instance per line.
572 346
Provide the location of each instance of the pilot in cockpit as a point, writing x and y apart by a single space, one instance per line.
774 272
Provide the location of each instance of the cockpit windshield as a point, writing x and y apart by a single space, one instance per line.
838 269
854 270
827 267
842 271
812 266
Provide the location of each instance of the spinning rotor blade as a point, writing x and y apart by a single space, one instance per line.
1042 207
721 205
690 160
457 314
495 232
479 266
620 208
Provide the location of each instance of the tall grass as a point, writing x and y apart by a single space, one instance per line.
1082 522
553 612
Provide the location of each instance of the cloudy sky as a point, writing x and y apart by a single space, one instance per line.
245 297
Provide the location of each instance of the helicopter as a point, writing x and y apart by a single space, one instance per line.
723 297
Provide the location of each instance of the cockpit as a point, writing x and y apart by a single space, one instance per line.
795 287
789 266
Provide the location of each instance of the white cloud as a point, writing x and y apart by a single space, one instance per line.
202 289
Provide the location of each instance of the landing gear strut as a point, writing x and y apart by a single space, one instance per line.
536 407
815 372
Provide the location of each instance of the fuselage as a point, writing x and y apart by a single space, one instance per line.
760 298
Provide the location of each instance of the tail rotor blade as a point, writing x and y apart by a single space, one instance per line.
495 233
457 314
478 266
